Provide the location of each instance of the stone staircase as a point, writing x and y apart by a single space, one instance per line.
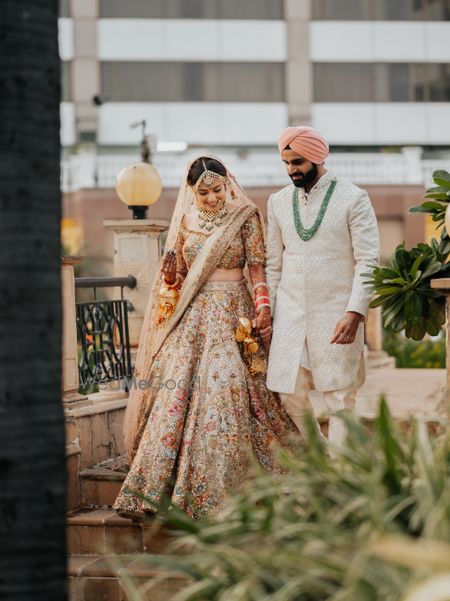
107 553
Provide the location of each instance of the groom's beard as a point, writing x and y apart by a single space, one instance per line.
300 180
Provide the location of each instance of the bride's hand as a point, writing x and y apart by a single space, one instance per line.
169 266
263 324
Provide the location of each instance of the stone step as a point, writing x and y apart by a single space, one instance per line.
97 429
105 578
73 454
103 532
100 487
380 359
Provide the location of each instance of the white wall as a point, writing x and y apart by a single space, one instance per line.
65 39
379 41
191 40
383 123
194 123
67 116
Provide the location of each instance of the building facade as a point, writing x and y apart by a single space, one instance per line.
368 73
227 75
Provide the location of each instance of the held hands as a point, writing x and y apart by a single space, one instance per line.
263 325
169 266
346 328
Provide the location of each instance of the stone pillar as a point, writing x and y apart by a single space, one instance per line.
413 164
138 245
71 381
85 67
443 285
376 356
374 330
299 76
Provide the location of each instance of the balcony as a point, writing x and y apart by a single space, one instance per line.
255 168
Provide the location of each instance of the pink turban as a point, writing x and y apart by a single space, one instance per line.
305 141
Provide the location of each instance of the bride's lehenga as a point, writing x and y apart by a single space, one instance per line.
209 418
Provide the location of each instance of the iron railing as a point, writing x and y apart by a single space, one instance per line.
103 334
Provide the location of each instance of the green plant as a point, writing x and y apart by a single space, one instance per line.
413 354
403 289
404 292
311 536
440 195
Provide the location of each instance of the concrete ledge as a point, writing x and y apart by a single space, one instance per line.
97 407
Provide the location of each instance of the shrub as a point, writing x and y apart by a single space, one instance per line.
318 534
408 353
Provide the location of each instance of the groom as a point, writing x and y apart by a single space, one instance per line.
322 236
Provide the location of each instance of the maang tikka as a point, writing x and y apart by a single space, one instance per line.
208 177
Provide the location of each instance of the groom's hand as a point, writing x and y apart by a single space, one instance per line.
346 328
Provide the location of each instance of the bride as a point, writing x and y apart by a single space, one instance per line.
199 412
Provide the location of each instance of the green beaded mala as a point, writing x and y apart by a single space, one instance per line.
307 233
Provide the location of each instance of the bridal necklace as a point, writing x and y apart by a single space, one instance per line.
209 220
304 232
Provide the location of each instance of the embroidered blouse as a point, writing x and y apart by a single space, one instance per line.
246 248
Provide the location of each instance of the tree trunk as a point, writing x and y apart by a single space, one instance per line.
32 458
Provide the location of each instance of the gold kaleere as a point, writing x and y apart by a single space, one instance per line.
250 346
168 299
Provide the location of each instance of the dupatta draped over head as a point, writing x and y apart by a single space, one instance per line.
152 337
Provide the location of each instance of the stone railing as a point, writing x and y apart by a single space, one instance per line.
255 168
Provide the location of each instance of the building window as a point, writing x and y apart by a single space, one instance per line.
66 81
346 82
193 82
346 10
192 9
64 8
381 82
439 83
384 10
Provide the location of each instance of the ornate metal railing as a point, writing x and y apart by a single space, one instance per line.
103 335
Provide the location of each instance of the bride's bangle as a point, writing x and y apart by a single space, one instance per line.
260 285
259 307
175 284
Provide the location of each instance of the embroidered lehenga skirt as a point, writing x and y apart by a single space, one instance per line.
210 421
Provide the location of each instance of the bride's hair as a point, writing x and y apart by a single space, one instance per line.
198 167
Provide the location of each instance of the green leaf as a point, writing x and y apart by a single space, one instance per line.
390 447
431 269
377 302
432 326
442 178
413 308
416 265
416 331
422 209
438 196
433 205
403 258
398 323
437 190
390 316
386 290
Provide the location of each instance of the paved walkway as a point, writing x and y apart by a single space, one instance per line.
407 391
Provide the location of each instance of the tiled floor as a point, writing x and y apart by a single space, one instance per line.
407 391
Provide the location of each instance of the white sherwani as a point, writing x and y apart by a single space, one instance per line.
313 283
